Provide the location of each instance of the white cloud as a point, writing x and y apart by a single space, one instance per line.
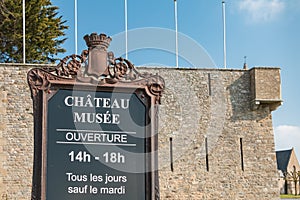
286 137
261 10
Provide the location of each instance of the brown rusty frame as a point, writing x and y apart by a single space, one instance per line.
120 76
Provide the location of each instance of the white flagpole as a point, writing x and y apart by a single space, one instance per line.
126 31
75 21
24 39
176 32
224 33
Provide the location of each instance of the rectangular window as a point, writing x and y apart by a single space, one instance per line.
206 154
209 85
242 154
171 154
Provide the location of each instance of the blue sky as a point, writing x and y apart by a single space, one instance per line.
266 31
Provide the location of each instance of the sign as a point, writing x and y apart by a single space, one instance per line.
95 134
96 146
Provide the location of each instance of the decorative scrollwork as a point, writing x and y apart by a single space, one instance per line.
70 66
118 70
38 79
156 85
123 71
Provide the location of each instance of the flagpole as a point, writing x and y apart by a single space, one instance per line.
75 24
224 33
126 31
24 39
176 32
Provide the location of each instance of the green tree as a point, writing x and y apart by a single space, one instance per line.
44 31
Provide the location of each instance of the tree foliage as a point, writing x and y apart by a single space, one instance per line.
44 31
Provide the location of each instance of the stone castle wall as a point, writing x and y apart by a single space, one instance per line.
16 133
222 146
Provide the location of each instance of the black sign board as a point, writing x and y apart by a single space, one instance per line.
95 135
95 146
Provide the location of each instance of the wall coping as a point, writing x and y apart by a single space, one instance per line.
148 67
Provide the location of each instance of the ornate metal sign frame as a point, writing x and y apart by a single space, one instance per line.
97 70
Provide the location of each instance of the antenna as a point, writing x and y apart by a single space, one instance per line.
245 63
75 28
126 27
224 33
176 32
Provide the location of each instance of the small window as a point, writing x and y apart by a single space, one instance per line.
171 154
206 154
242 154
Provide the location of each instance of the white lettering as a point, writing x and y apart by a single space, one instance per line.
96 137
69 101
105 118
106 103
79 118
88 101
78 101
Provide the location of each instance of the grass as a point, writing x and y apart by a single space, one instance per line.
289 196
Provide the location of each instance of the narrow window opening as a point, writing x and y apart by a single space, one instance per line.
171 154
242 154
206 154
209 84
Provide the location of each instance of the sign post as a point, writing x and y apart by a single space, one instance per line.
95 127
